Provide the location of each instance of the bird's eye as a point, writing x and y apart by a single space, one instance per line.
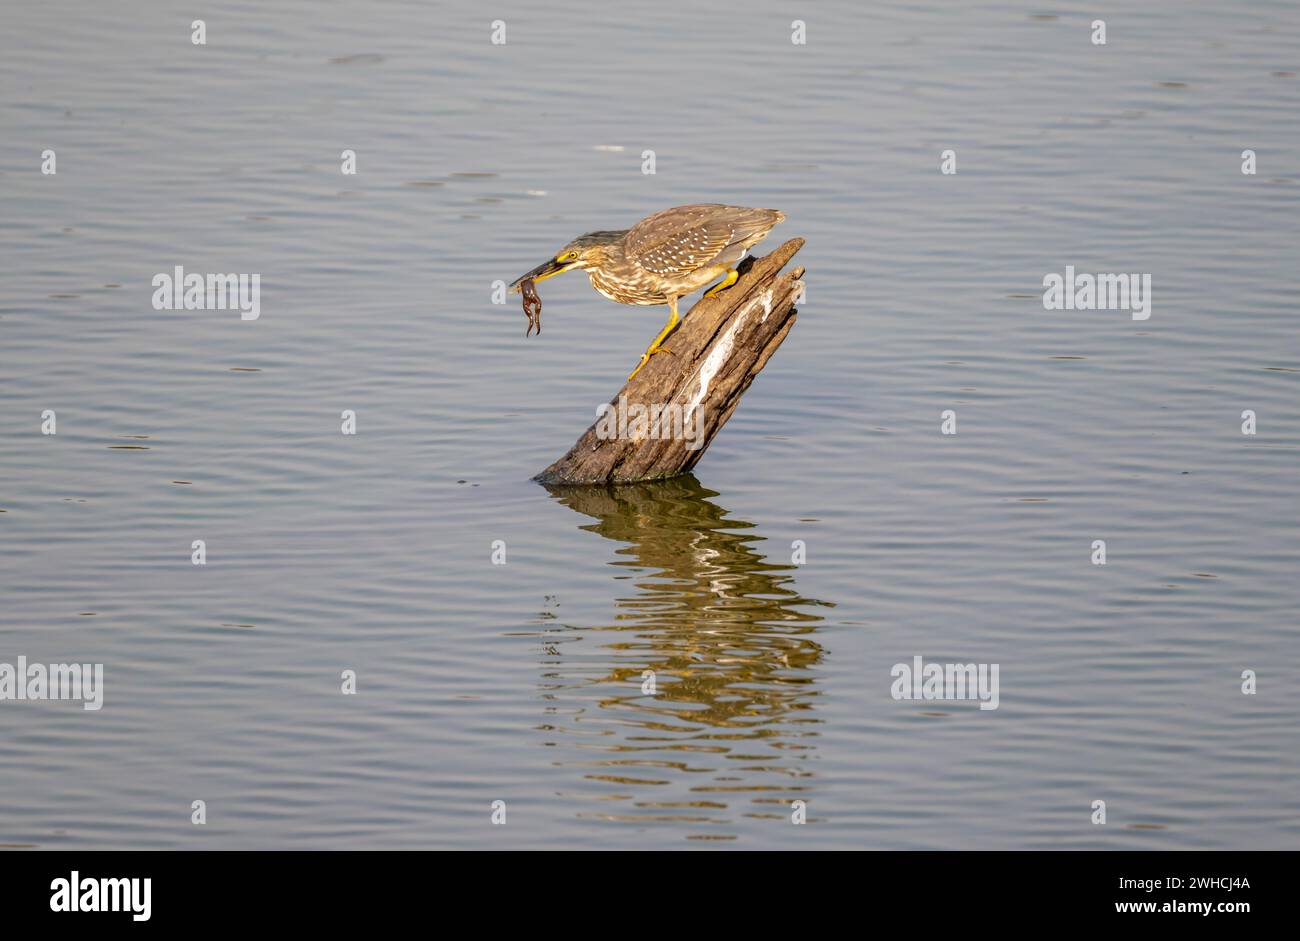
568 256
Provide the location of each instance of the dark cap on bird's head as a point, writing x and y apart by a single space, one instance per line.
577 254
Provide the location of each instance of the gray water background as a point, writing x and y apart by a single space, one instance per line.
521 682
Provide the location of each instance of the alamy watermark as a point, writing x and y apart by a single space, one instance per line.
657 421
1131 292
85 894
953 681
83 681
181 291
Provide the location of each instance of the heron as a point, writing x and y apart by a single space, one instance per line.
663 258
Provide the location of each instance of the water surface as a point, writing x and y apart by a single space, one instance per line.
523 682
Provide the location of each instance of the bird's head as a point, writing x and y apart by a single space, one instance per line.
586 251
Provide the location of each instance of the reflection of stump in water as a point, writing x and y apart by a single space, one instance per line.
721 627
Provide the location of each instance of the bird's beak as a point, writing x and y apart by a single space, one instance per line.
545 270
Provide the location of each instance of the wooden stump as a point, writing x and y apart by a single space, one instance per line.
721 345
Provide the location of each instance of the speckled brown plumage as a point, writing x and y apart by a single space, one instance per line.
663 257
675 252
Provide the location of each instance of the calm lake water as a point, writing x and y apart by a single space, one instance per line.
522 682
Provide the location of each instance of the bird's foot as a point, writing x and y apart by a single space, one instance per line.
725 283
645 358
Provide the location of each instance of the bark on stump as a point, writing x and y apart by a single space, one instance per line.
721 345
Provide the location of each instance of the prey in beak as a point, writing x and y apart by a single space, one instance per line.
547 269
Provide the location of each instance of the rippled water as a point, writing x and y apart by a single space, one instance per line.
522 682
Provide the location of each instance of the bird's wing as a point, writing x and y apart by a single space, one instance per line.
680 240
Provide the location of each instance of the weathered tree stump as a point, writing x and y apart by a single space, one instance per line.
661 422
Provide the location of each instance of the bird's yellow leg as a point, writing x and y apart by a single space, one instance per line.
656 346
725 283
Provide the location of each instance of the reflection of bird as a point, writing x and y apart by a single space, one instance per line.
729 728
709 610
664 257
